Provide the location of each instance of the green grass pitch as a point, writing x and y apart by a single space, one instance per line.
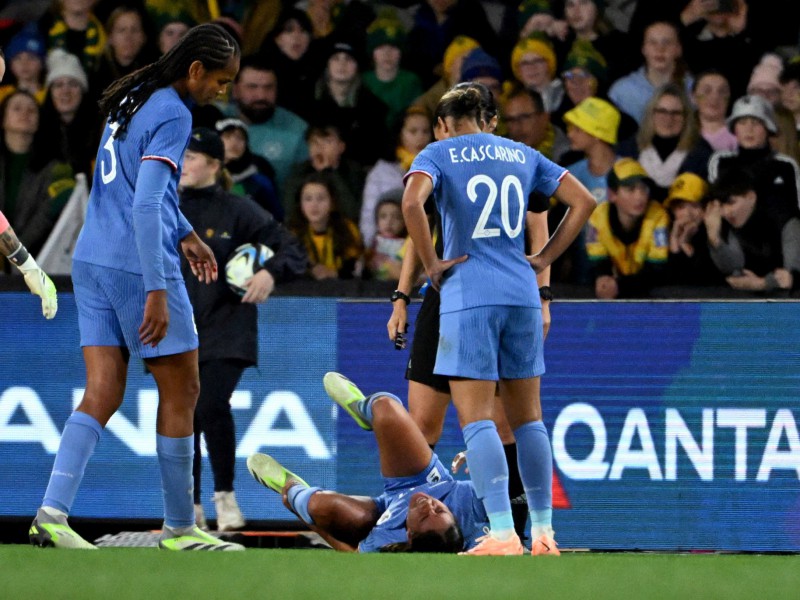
121 573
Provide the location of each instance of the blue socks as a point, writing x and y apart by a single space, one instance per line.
299 497
535 458
175 456
80 436
488 470
365 406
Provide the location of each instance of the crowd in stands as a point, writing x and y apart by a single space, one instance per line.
680 116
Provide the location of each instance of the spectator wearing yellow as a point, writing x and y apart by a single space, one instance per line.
451 72
533 64
627 240
689 261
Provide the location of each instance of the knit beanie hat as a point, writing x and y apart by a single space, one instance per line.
479 63
385 31
583 55
766 74
535 44
26 40
528 8
61 63
460 46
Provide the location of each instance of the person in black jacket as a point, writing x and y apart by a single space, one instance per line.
226 221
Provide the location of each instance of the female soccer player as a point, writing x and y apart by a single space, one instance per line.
428 393
128 287
490 323
422 509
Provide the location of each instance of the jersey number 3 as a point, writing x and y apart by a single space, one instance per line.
509 182
109 147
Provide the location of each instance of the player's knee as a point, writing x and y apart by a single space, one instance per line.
385 407
101 401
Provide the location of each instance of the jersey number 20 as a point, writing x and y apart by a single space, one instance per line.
509 182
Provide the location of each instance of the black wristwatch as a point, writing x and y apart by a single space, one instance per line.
545 293
398 295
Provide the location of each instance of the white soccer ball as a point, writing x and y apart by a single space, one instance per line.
244 261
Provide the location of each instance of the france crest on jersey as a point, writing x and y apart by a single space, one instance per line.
159 130
481 184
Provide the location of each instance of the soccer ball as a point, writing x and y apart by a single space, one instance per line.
243 263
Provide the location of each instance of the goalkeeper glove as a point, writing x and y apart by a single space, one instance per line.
41 285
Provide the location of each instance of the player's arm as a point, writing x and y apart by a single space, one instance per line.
538 234
580 203
418 188
37 280
151 183
409 271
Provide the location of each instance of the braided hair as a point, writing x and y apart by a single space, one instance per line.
208 43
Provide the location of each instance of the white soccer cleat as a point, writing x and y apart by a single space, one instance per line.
229 515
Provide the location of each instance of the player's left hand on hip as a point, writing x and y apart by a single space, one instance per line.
41 285
259 287
537 262
436 273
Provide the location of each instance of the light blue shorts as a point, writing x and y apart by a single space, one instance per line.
433 473
491 343
111 308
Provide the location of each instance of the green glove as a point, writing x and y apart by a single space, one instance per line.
41 285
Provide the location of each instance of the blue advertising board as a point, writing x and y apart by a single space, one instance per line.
279 408
674 425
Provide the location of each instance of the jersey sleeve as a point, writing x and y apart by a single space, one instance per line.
168 140
547 174
425 163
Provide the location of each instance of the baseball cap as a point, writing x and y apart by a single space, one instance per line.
627 171
596 117
753 106
687 187
207 141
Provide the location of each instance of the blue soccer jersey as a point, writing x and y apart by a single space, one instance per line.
159 130
458 496
481 183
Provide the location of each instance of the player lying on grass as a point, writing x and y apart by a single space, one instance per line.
422 509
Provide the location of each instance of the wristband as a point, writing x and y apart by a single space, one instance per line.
545 293
398 295
19 257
